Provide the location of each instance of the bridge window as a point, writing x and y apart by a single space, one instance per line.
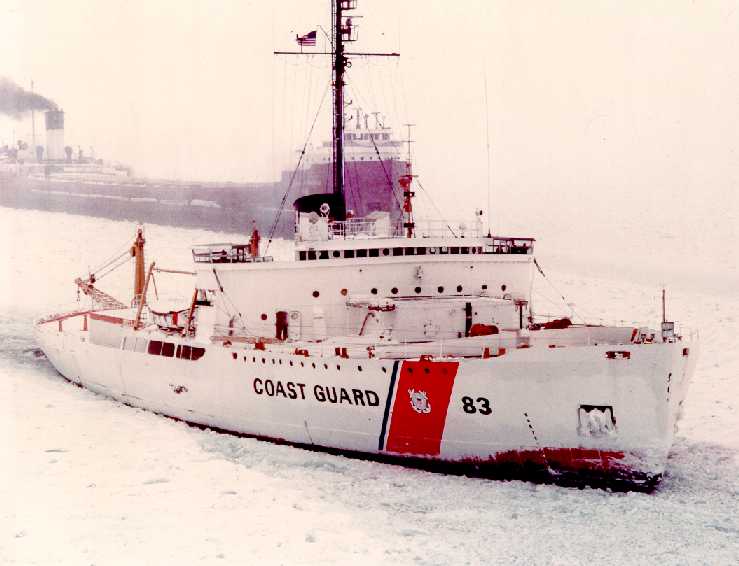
410 251
420 251
184 351
197 353
323 254
168 349
361 253
454 250
464 250
374 252
348 254
302 255
155 347
397 251
311 254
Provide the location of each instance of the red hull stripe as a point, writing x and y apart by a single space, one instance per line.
420 407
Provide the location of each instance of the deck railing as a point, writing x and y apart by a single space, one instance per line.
225 253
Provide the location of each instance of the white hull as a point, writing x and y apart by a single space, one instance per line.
555 411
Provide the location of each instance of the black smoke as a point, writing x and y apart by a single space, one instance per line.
16 101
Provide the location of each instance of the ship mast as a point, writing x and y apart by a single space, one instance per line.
342 31
339 66
139 278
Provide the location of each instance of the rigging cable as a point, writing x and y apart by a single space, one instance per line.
227 297
441 216
561 296
358 95
387 175
112 260
110 268
295 171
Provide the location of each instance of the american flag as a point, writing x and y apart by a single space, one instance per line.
308 39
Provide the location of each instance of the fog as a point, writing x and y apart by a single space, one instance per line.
591 108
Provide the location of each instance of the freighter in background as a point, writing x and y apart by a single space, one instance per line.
59 178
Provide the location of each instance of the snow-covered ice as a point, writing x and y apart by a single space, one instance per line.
86 480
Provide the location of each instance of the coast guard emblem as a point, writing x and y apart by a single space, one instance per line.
419 401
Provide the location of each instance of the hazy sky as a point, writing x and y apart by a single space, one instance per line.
587 101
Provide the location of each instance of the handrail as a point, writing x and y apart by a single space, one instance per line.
225 253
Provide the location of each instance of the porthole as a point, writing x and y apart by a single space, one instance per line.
336 253
459 288
273 361
264 361
263 316
279 361
503 287
338 367
385 251
325 366
417 289
316 294
359 368
394 290
254 359
484 287
374 290
343 292
440 289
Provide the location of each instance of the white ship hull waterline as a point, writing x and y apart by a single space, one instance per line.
389 340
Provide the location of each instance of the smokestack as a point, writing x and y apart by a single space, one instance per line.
55 134
15 101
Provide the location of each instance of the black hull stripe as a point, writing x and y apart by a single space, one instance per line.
393 376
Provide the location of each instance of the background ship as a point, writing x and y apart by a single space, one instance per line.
58 177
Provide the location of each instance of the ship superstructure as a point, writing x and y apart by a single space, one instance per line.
386 337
